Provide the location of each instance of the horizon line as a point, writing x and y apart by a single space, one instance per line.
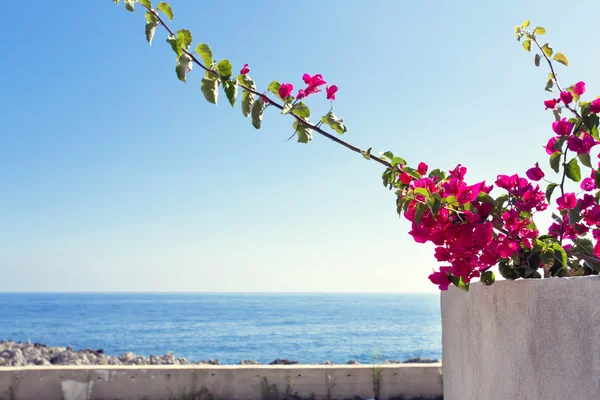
200 292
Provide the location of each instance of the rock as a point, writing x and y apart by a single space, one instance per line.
69 358
183 361
209 362
40 361
326 363
249 362
352 362
153 359
127 357
419 360
392 362
283 362
140 361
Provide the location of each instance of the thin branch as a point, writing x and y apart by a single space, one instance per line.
277 105
574 111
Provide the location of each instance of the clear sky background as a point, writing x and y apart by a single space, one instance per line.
118 177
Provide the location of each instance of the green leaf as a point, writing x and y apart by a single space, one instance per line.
550 190
459 282
547 256
230 88
539 30
366 153
507 271
116 2
398 161
151 24
304 133
597 178
258 109
274 88
146 3
166 9
421 208
537 60
437 172
574 215
560 57
301 110
585 159
184 38
210 89
183 66
247 102
525 24
172 40
559 253
246 81
547 50
572 170
436 204
334 122
527 45
205 54
485 198
225 69
549 85
129 5
421 191
488 278
555 161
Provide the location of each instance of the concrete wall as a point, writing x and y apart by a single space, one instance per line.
225 382
534 339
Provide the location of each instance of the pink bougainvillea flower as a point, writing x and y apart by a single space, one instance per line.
331 90
442 254
535 173
550 104
588 184
550 146
567 201
441 278
300 94
595 106
265 99
285 90
579 88
313 83
467 194
459 172
422 168
405 178
581 145
562 127
566 97
245 69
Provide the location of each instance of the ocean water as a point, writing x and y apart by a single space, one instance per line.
309 328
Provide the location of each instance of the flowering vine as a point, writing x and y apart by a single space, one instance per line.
473 226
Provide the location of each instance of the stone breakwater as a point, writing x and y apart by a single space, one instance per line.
16 354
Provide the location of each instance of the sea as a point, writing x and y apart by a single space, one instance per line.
309 328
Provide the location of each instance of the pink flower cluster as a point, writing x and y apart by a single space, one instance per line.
464 230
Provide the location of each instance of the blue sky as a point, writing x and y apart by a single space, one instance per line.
118 177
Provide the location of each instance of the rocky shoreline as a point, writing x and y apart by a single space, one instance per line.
16 354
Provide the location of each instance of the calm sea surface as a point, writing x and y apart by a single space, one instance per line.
309 328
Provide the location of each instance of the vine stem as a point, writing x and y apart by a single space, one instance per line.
314 127
574 111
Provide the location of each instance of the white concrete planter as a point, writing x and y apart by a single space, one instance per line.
527 339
